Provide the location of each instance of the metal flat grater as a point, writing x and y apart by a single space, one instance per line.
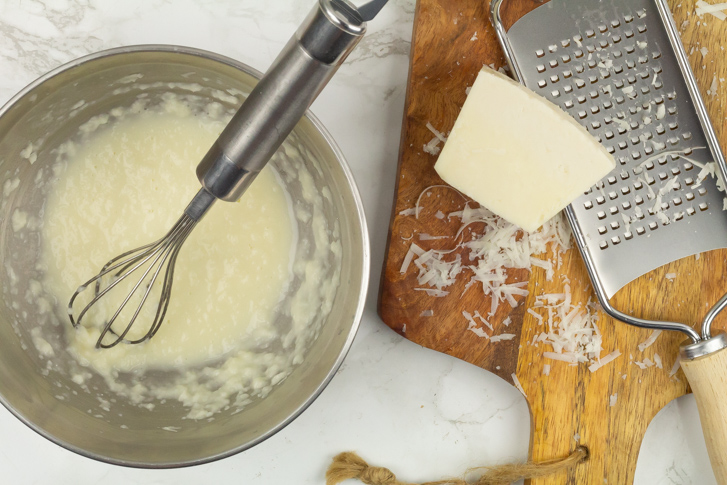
619 68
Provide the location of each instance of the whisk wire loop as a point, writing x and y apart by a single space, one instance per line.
155 255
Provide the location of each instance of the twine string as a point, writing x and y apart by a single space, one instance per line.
349 465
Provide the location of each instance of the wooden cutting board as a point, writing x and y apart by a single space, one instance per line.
451 42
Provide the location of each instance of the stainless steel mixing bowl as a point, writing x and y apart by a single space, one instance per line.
39 390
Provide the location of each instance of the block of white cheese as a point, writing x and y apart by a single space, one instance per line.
518 154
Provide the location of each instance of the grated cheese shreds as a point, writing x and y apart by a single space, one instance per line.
645 364
482 319
657 361
714 86
478 331
716 9
649 341
570 328
502 336
438 134
434 271
503 246
431 147
671 184
536 315
433 292
486 248
612 399
500 246
606 360
546 265
570 358
408 212
546 369
409 257
428 237
473 327
517 384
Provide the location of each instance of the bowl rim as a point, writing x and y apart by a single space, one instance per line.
362 226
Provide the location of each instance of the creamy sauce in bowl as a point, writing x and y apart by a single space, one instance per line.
125 188
253 282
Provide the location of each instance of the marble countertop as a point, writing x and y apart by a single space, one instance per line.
423 414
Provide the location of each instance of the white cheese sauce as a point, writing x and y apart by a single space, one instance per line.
125 188
250 292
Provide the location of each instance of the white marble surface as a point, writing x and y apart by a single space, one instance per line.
424 414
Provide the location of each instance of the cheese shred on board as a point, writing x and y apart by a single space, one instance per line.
717 10
516 381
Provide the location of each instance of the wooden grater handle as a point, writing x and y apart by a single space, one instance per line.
707 375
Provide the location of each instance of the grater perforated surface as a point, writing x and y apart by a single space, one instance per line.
612 67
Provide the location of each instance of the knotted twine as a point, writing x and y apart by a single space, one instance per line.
349 465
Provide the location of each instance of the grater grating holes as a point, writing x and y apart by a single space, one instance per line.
612 85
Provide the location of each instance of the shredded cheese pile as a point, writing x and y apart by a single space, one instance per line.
499 247
485 253
568 327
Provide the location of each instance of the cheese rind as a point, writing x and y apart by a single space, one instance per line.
519 155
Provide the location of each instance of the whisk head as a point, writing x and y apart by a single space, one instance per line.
150 261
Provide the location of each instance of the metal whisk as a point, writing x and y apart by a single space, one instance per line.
268 115
150 259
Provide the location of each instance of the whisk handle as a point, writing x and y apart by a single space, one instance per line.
281 98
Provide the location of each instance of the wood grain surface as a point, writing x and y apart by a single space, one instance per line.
571 402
